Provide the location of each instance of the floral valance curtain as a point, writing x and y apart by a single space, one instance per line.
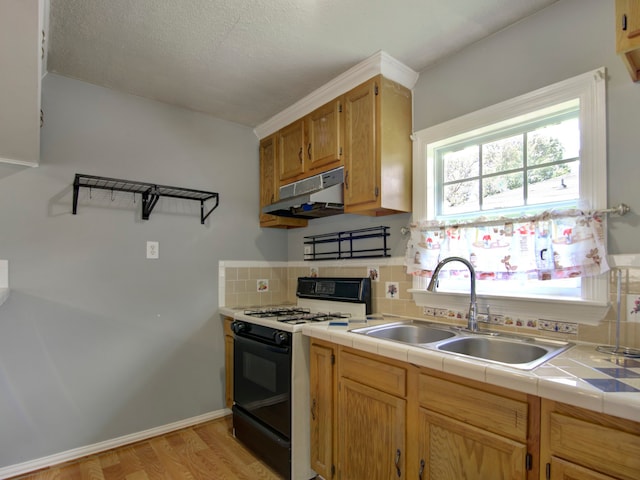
552 245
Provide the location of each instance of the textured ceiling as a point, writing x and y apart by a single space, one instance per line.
246 60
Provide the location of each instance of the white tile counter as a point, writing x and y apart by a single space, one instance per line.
580 376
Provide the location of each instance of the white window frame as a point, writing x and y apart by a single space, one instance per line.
590 89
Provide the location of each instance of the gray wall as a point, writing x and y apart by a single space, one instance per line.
566 39
96 341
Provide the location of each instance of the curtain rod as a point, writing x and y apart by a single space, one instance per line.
621 209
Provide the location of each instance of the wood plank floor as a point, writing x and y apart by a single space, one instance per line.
206 451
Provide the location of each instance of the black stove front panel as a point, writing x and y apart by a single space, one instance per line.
339 289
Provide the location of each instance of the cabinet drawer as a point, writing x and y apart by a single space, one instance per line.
601 448
383 376
488 411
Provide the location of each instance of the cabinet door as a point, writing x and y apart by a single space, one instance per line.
322 380
228 362
451 450
361 145
324 142
371 433
628 35
562 470
269 186
291 146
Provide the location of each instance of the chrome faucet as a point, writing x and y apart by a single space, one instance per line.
472 324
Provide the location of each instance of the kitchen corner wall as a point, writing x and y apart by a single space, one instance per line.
242 283
96 341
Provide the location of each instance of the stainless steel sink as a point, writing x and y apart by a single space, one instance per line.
522 353
411 333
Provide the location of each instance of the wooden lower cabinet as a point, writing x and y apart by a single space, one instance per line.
394 420
371 429
581 444
451 450
228 362
322 377
562 470
474 431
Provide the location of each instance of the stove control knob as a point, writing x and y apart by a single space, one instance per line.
281 338
239 327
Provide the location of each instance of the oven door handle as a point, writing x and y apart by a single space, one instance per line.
267 346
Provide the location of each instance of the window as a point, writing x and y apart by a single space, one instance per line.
544 150
531 164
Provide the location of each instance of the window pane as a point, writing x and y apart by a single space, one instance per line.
554 142
461 164
554 183
501 155
460 198
503 191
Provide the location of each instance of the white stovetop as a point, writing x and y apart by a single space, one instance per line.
357 312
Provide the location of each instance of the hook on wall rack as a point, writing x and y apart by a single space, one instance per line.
149 192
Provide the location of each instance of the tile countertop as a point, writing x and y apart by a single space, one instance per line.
580 376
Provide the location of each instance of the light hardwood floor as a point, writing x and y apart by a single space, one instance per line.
207 451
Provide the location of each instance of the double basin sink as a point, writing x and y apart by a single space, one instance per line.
523 353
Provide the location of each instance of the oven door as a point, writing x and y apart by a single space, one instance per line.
262 382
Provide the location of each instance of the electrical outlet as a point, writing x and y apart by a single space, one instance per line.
153 250
428 311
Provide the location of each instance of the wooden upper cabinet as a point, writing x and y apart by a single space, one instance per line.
628 35
269 186
291 151
324 145
377 148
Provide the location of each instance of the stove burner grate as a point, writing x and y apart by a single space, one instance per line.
294 315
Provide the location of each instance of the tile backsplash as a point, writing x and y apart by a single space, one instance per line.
241 288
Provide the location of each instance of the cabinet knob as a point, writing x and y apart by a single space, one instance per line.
309 151
397 462
421 471
300 154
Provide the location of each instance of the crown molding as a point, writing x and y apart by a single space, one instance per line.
378 63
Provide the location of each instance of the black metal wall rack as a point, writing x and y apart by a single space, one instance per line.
342 243
150 193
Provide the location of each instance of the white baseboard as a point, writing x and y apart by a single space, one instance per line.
69 455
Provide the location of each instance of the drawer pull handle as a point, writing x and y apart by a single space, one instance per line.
398 463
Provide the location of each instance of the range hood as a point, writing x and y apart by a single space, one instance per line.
313 197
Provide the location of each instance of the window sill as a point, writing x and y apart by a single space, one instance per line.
547 308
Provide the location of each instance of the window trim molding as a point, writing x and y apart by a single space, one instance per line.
590 89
